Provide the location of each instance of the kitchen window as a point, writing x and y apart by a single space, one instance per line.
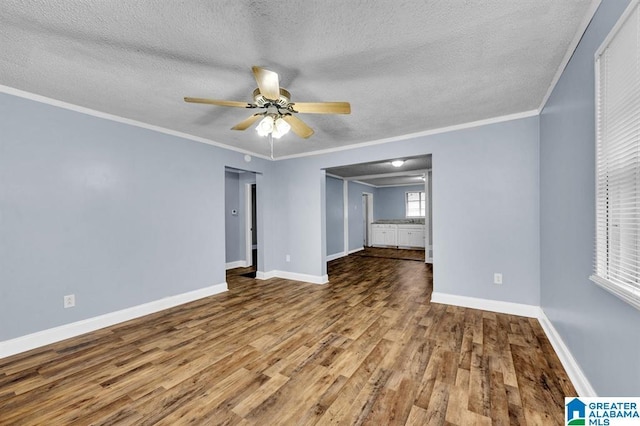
415 203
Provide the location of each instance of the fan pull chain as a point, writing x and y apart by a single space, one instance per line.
271 143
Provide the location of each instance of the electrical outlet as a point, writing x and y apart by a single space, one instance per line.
497 278
69 301
288 258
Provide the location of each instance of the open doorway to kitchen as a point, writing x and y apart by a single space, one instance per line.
358 226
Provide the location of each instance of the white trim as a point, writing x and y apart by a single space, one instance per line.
493 120
345 211
236 264
355 250
83 110
265 275
369 219
335 256
294 276
333 176
88 111
626 294
531 311
569 53
571 366
614 31
398 185
363 183
56 334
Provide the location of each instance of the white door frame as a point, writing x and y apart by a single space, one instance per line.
248 222
369 218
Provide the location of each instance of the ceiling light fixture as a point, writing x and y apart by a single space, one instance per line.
273 125
397 163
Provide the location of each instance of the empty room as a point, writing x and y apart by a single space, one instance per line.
319 212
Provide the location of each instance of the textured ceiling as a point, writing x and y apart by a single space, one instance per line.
383 173
405 66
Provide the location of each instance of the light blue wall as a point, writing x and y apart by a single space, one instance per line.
335 215
389 202
234 244
480 226
121 216
115 214
602 332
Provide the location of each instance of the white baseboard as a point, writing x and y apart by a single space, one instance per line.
56 334
575 373
356 250
236 264
511 308
571 366
313 279
335 256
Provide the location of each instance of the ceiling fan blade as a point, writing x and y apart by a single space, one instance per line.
268 82
244 124
322 107
298 126
219 102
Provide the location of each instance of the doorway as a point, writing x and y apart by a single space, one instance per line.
251 227
241 220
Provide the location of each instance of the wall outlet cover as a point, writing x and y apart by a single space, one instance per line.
69 301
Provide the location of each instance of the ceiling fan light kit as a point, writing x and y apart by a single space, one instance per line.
274 125
279 112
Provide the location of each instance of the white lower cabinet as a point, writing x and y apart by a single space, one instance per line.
397 235
384 235
410 235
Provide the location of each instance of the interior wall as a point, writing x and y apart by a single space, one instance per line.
390 201
600 330
115 214
335 215
480 226
234 245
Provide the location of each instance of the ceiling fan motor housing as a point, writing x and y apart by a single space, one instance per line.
283 101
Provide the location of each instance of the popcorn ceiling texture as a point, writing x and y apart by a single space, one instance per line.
405 66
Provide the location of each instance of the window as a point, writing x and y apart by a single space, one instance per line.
415 204
617 257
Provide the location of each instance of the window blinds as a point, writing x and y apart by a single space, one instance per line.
617 257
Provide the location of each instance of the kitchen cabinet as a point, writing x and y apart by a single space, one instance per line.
410 235
384 235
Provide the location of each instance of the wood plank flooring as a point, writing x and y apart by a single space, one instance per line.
367 348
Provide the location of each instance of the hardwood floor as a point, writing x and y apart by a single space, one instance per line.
367 348
391 253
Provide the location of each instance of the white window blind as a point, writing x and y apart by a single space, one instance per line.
617 257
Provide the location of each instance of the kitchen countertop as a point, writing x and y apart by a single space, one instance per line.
399 222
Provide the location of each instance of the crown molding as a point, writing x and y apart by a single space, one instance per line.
569 53
92 112
88 111
469 125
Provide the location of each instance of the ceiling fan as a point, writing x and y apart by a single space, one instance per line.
278 109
